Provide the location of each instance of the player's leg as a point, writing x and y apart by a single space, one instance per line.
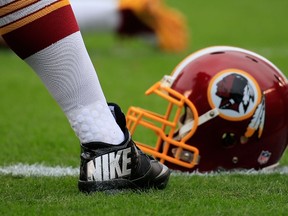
130 18
46 36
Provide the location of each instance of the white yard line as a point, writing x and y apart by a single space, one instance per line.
38 170
27 170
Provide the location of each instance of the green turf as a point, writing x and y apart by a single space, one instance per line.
34 130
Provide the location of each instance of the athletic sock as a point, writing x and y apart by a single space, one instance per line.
96 15
46 36
107 16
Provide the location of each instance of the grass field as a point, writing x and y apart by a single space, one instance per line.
33 130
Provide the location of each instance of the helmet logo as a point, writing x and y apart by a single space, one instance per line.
235 93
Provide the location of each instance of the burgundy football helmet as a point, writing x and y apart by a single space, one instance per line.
227 109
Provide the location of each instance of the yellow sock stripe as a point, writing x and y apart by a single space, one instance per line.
15 6
33 17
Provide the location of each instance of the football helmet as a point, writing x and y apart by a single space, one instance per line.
226 109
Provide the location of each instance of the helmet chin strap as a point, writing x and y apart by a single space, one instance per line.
186 121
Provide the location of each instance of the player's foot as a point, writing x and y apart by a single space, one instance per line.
144 16
112 167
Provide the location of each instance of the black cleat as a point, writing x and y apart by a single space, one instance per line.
115 167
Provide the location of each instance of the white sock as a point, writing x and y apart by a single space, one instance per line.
96 15
67 71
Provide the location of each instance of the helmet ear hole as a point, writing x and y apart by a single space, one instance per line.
228 140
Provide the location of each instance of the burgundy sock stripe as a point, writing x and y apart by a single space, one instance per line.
16 18
35 25
42 32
